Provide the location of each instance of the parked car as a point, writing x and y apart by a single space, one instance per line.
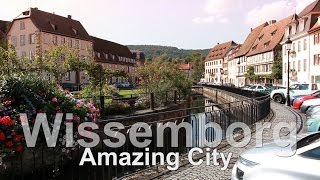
246 87
293 98
312 110
313 123
258 88
263 163
297 103
279 95
122 84
229 85
307 104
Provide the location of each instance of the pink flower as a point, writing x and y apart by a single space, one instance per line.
7 102
58 108
54 100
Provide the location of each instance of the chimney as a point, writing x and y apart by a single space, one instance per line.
272 22
69 16
251 29
35 8
218 43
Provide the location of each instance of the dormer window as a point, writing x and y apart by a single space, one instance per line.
54 27
260 37
106 55
98 54
254 47
274 32
266 44
75 31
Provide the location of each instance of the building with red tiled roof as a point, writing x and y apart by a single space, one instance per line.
35 31
113 56
214 62
240 57
230 65
303 32
266 48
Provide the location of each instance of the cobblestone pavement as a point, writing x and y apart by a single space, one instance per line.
281 114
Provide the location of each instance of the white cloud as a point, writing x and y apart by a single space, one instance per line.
301 4
210 19
273 11
218 11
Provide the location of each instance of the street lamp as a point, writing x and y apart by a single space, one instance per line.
238 71
288 43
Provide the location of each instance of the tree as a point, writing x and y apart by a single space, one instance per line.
9 61
250 74
277 66
197 61
159 76
59 60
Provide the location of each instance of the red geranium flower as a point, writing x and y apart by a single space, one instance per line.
6 120
2 136
19 148
9 144
18 138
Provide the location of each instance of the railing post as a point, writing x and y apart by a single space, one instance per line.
152 101
102 104
175 97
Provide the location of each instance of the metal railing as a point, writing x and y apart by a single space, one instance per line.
51 163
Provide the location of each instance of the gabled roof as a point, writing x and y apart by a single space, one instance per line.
315 28
219 51
233 52
253 35
185 66
313 7
269 37
55 24
110 48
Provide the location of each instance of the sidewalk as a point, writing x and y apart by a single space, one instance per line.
281 114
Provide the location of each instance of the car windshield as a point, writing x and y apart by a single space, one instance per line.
308 140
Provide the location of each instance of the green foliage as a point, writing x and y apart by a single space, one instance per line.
250 74
160 76
197 62
9 62
166 52
58 60
277 66
92 91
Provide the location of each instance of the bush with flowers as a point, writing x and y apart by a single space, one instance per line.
32 95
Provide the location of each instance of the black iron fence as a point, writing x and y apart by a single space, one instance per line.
63 163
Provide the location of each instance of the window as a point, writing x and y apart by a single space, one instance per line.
54 27
31 55
299 46
22 25
304 87
299 66
67 76
76 44
32 38
316 60
305 44
54 40
63 40
294 47
23 54
304 65
22 40
285 68
75 31
313 153
285 50
14 40
70 43
294 65
316 39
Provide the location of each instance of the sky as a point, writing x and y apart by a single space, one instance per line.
187 24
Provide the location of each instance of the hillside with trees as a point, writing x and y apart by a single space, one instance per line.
167 52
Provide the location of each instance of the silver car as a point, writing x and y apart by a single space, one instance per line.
264 163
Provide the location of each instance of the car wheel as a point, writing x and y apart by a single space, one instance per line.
278 98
